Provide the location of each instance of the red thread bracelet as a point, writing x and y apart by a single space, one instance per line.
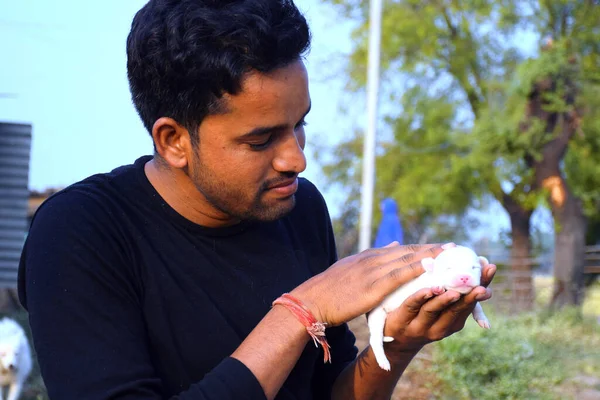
315 329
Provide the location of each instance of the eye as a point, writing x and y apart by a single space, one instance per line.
261 146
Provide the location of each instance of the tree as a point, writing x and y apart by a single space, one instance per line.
501 137
432 199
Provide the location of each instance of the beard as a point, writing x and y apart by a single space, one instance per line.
243 203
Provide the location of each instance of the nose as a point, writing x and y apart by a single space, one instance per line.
11 367
464 278
290 157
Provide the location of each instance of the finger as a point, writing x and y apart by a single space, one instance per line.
410 258
393 277
410 308
457 313
487 274
431 312
393 251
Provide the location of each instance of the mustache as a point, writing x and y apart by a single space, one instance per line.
276 181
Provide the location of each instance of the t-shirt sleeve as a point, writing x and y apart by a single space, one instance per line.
83 297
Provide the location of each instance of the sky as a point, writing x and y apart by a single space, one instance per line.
64 68
66 75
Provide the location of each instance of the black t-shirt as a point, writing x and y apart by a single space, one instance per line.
127 299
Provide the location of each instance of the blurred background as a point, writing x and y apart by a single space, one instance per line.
488 135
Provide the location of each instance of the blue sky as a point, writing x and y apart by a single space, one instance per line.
64 62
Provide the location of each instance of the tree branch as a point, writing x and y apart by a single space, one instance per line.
471 92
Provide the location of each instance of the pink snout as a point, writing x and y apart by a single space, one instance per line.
463 280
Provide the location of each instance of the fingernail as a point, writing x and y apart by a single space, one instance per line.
455 299
483 296
448 246
491 270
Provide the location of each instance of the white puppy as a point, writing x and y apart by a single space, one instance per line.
15 357
457 268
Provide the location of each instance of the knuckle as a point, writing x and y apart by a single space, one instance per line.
405 273
415 268
433 251
365 256
413 247
412 307
407 258
436 335
366 253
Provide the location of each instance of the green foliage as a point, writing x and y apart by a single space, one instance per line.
460 128
524 357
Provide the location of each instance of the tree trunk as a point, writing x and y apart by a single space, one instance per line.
523 294
569 221
569 254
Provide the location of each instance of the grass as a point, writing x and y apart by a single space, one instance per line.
527 356
523 357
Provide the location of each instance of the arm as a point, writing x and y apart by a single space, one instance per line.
363 379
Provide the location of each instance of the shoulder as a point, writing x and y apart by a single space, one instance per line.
78 202
92 198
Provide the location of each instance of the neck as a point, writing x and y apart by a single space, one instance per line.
178 190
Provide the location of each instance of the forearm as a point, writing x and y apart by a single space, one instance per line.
273 348
363 379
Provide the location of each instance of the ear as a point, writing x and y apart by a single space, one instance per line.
483 261
428 264
172 142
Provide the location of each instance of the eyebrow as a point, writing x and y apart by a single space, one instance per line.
263 130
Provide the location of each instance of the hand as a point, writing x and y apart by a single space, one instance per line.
355 285
424 318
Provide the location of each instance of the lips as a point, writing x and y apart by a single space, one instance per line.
285 188
283 184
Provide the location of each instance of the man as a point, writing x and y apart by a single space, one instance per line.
157 280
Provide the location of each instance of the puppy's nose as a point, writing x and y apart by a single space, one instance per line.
11 367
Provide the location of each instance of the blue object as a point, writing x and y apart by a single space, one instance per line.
390 228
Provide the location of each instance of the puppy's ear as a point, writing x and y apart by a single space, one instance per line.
428 264
483 261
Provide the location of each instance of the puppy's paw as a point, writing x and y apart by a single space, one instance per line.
385 365
437 290
484 323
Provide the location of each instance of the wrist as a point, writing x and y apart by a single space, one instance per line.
308 300
314 327
401 354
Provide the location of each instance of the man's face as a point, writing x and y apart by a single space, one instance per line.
248 159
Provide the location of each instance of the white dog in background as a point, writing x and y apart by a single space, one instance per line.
15 357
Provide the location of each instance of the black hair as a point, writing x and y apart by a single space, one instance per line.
184 55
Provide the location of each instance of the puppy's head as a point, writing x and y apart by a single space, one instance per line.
457 269
9 353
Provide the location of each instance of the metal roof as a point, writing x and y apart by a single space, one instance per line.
15 146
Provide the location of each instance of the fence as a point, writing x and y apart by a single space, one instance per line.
530 285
